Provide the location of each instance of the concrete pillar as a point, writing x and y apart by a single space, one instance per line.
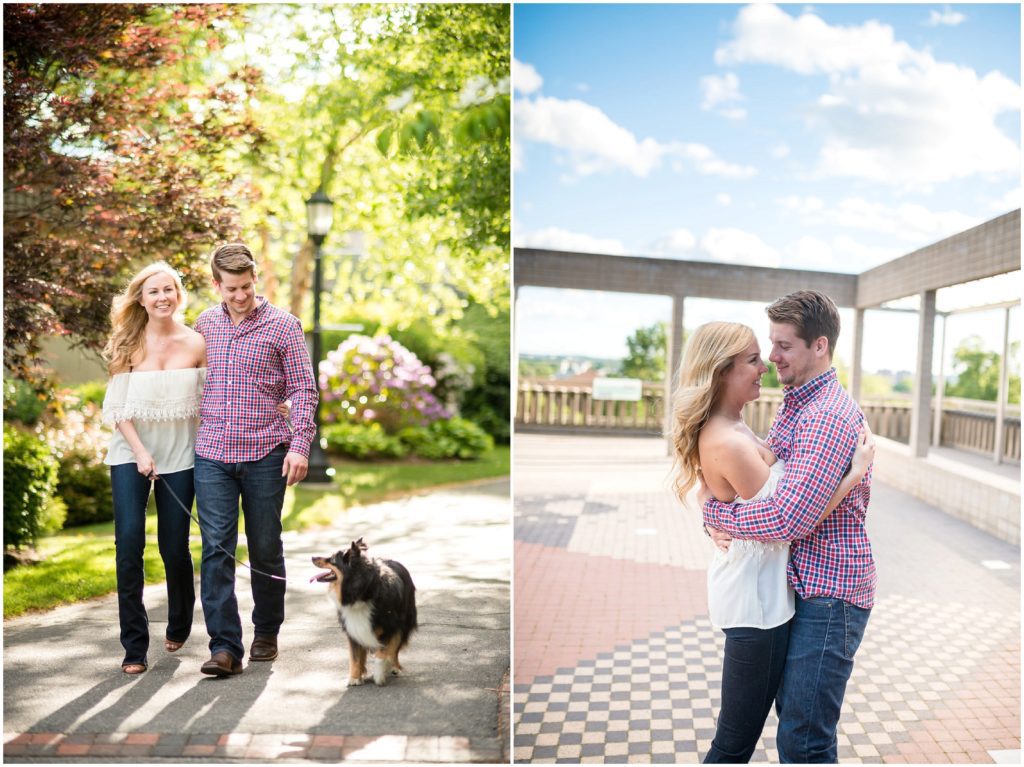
856 372
672 359
1004 371
514 372
940 386
920 407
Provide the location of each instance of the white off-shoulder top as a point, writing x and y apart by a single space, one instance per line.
747 585
163 405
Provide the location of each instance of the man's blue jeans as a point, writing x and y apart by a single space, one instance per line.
261 488
130 496
823 638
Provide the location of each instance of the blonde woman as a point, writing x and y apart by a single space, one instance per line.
749 597
157 367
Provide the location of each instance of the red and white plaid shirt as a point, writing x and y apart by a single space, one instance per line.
815 433
252 367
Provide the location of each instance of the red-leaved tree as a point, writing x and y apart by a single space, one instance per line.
114 147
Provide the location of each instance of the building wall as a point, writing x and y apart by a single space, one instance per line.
988 502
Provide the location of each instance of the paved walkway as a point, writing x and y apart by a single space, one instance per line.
615 659
66 700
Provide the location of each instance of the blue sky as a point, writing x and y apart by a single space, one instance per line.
829 137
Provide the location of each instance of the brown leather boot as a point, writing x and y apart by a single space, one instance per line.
263 648
222 664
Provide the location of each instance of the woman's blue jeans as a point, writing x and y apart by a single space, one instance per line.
751 672
130 495
261 488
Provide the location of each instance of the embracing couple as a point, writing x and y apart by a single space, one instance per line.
204 413
792 581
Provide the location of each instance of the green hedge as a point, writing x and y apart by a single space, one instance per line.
84 485
362 441
22 403
452 438
30 478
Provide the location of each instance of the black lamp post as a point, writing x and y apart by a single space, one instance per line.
319 211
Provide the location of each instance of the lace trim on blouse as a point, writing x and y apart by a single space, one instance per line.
138 399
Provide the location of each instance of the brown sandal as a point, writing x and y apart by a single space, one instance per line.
133 669
171 646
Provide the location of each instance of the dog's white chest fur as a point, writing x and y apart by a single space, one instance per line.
357 620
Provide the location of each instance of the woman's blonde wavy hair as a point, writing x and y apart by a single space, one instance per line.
128 319
709 354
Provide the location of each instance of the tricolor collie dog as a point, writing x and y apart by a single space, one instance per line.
376 603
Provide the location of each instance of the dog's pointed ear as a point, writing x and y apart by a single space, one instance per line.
357 548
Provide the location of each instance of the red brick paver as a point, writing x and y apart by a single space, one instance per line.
243 746
615 659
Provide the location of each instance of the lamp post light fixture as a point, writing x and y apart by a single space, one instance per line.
319 214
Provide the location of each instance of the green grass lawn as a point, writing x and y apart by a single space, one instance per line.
79 563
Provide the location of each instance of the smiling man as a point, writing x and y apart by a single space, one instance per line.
256 358
831 567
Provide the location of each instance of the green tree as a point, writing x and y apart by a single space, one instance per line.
401 114
977 372
770 380
647 349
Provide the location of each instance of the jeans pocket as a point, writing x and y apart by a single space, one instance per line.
855 621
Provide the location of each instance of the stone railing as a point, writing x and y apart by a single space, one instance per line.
548 406
572 408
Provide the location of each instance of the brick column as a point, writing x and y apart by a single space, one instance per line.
920 408
940 386
856 373
1004 368
514 368
672 359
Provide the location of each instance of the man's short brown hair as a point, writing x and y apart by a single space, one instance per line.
234 258
813 314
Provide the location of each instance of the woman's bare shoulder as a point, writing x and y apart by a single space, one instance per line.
718 436
193 337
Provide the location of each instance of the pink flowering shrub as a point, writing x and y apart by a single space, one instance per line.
377 380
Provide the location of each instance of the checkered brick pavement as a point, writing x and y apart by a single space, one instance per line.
616 661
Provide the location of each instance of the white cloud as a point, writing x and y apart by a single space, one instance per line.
908 222
596 143
805 206
525 77
1009 201
724 198
891 113
554 238
946 17
735 246
675 244
720 93
781 150
518 163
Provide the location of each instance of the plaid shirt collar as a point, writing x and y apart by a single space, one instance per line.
798 396
255 314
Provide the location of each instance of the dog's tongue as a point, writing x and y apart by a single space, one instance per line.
320 576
